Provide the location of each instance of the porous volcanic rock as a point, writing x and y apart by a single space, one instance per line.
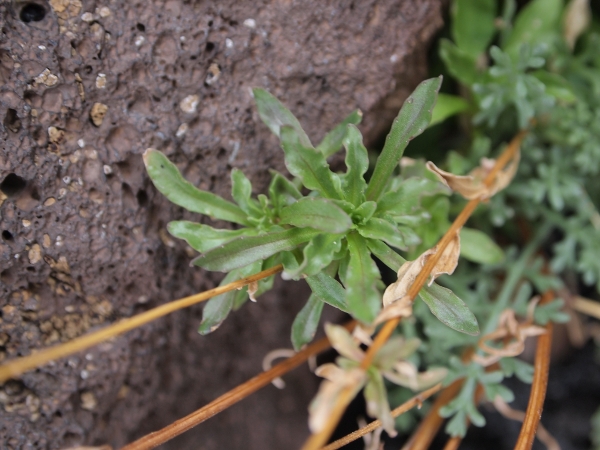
85 87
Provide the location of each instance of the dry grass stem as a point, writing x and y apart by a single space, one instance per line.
539 385
406 406
230 398
587 306
18 366
316 441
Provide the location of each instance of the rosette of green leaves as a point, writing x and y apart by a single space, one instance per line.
326 235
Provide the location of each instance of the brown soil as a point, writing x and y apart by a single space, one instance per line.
85 87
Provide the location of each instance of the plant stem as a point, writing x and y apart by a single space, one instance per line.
539 385
406 406
230 398
20 365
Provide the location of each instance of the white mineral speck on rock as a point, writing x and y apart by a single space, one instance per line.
104 12
107 169
87 17
139 40
101 81
81 143
42 47
394 58
182 130
66 180
189 104
250 23
228 43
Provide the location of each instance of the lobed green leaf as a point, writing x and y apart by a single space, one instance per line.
357 162
168 180
328 290
307 164
275 115
246 250
333 140
362 276
203 238
318 213
306 322
411 121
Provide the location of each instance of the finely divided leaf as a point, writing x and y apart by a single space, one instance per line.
306 322
449 309
328 290
332 141
362 275
478 247
357 162
307 164
167 179
245 250
275 115
410 122
318 213
203 238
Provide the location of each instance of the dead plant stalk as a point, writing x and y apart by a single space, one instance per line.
21 365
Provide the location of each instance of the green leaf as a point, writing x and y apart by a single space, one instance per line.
168 180
245 250
447 106
203 238
478 247
318 254
307 164
411 121
328 290
472 25
241 191
406 199
385 254
383 230
535 23
357 162
306 322
449 309
557 86
218 308
460 64
364 300
282 191
318 213
333 140
275 115
364 212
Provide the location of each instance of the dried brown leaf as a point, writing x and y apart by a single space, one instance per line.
472 186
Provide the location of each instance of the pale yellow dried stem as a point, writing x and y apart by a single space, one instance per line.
587 306
406 406
18 366
317 440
